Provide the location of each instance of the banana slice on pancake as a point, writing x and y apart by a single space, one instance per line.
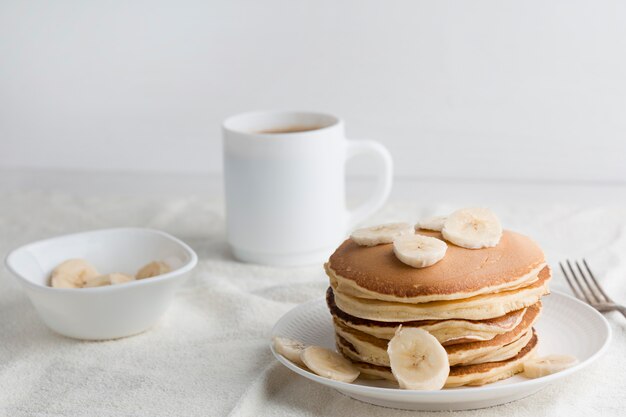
473 228
289 348
434 223
546 365
329 364
419 251
418 361
381 234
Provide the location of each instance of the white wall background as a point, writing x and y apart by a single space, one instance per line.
455 89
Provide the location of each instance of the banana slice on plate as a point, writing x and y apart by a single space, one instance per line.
72 273
381 234
546 365
419 251
418 361
324 362
289 348
472 228
434 223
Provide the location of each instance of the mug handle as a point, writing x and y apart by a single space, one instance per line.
384 172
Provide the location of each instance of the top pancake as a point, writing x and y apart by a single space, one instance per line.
375 272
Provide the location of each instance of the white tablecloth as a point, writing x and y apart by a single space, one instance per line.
209 355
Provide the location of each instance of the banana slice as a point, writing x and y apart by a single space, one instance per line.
153 269
434 223
289 348
120 278
419 251
329 364
97 281
108 279
538 367
72 273
418 361
472 228
377 235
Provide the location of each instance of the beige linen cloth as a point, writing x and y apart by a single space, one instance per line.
209 355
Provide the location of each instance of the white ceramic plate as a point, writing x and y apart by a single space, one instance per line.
566 326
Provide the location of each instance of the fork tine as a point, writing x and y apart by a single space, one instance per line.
569 282
596 282
590 288
582 289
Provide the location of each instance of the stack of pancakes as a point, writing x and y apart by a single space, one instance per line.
481 305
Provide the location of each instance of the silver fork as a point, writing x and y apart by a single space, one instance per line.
589 290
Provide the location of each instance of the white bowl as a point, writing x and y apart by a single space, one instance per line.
106 312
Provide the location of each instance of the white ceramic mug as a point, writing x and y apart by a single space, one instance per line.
285 192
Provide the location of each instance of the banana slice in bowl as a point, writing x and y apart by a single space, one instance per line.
73 273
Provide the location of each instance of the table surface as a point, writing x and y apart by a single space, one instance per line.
209 354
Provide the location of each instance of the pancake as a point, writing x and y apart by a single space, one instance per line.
479 307
448 332
366 348
472 375
375 272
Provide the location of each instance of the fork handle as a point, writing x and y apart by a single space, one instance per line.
622 309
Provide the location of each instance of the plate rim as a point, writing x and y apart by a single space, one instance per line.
528 384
